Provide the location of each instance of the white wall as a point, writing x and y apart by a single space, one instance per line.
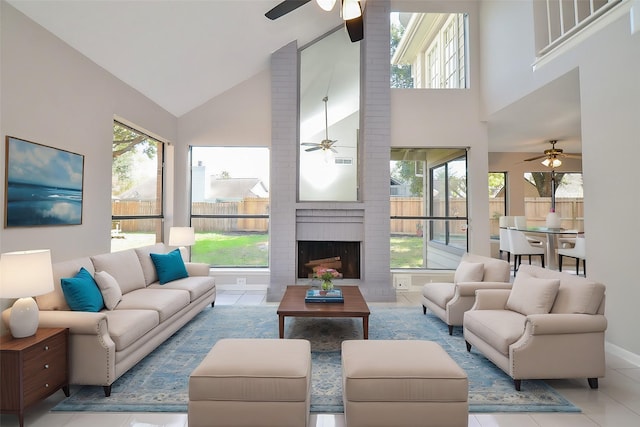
609 66
53 95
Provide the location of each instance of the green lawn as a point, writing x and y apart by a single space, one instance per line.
231 249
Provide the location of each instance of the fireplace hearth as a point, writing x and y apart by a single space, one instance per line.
342 256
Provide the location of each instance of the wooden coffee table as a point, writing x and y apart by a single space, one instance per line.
293 305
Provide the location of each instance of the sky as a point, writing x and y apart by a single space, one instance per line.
239 162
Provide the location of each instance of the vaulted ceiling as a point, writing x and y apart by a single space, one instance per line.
182 53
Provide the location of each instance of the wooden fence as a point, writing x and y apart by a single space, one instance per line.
536 208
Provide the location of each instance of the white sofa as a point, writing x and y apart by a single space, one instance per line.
104 345
550 325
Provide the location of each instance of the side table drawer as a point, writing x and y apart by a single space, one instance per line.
45 368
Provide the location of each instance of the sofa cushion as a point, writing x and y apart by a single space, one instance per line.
169 266
148 269
439 293
55 300
579 297
469 272
195 285
530 295
111 293
166 302
498 328
82 292
124 266
128 326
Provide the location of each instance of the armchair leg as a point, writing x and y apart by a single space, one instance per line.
542 259
468 346
450 329
517 384
593 383
213 303
424 309
107 390
559 262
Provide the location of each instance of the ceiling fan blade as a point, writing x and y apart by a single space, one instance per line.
572 155
355 28
333 149
314 144
535 158
285 7
314 148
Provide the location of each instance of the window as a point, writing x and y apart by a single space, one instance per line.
497 201
438 39
230 206
568 198
136 189
428 232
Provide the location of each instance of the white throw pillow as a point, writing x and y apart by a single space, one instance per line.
469 272
111 293
530 295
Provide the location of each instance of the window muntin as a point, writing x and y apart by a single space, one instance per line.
230 206
569 201
137 196
437 40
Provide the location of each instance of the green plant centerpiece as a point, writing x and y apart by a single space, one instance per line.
326 275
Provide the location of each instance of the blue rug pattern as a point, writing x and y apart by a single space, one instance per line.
159 383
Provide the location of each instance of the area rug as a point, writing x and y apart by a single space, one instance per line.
159 383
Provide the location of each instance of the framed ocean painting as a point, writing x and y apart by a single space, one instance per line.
43 185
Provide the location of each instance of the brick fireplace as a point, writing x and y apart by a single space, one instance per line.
365 222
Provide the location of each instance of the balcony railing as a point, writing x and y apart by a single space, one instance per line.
565 18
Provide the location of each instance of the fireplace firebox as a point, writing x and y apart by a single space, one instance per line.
342 256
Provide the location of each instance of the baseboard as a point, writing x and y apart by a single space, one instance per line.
246 287
622 353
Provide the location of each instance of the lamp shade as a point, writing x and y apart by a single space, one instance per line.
25 273
182 236
552 162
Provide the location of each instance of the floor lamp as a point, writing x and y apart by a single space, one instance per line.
24 275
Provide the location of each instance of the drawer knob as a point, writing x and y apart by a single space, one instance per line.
46 347
46 366
46 385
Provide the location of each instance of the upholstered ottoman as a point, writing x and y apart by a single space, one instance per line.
402 384
252 383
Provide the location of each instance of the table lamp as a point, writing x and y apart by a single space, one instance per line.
182 237
23 275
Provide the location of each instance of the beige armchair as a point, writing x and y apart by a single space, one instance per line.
550 325
449 301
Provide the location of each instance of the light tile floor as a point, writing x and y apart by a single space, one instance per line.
615 404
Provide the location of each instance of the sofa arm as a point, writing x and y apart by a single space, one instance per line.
556 324
197 268
468 289
78 322
491 299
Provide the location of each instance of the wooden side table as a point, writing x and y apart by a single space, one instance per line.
32 369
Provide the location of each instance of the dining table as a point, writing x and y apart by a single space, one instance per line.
551 237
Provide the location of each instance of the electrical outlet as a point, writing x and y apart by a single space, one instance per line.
241 281
402 281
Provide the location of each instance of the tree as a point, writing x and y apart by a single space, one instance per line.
405 171
126 144
542 182
400 74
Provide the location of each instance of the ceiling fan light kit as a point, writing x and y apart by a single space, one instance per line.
326 5
551 157
351 10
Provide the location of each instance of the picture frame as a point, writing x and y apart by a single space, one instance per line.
43 185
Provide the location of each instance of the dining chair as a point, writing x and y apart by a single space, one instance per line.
504 222
520 245
578 252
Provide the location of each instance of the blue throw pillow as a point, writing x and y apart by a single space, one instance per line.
169 266
82 292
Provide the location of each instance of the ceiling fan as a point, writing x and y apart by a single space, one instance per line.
326 143
552 156
351 11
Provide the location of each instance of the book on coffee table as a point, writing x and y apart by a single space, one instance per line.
318 295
